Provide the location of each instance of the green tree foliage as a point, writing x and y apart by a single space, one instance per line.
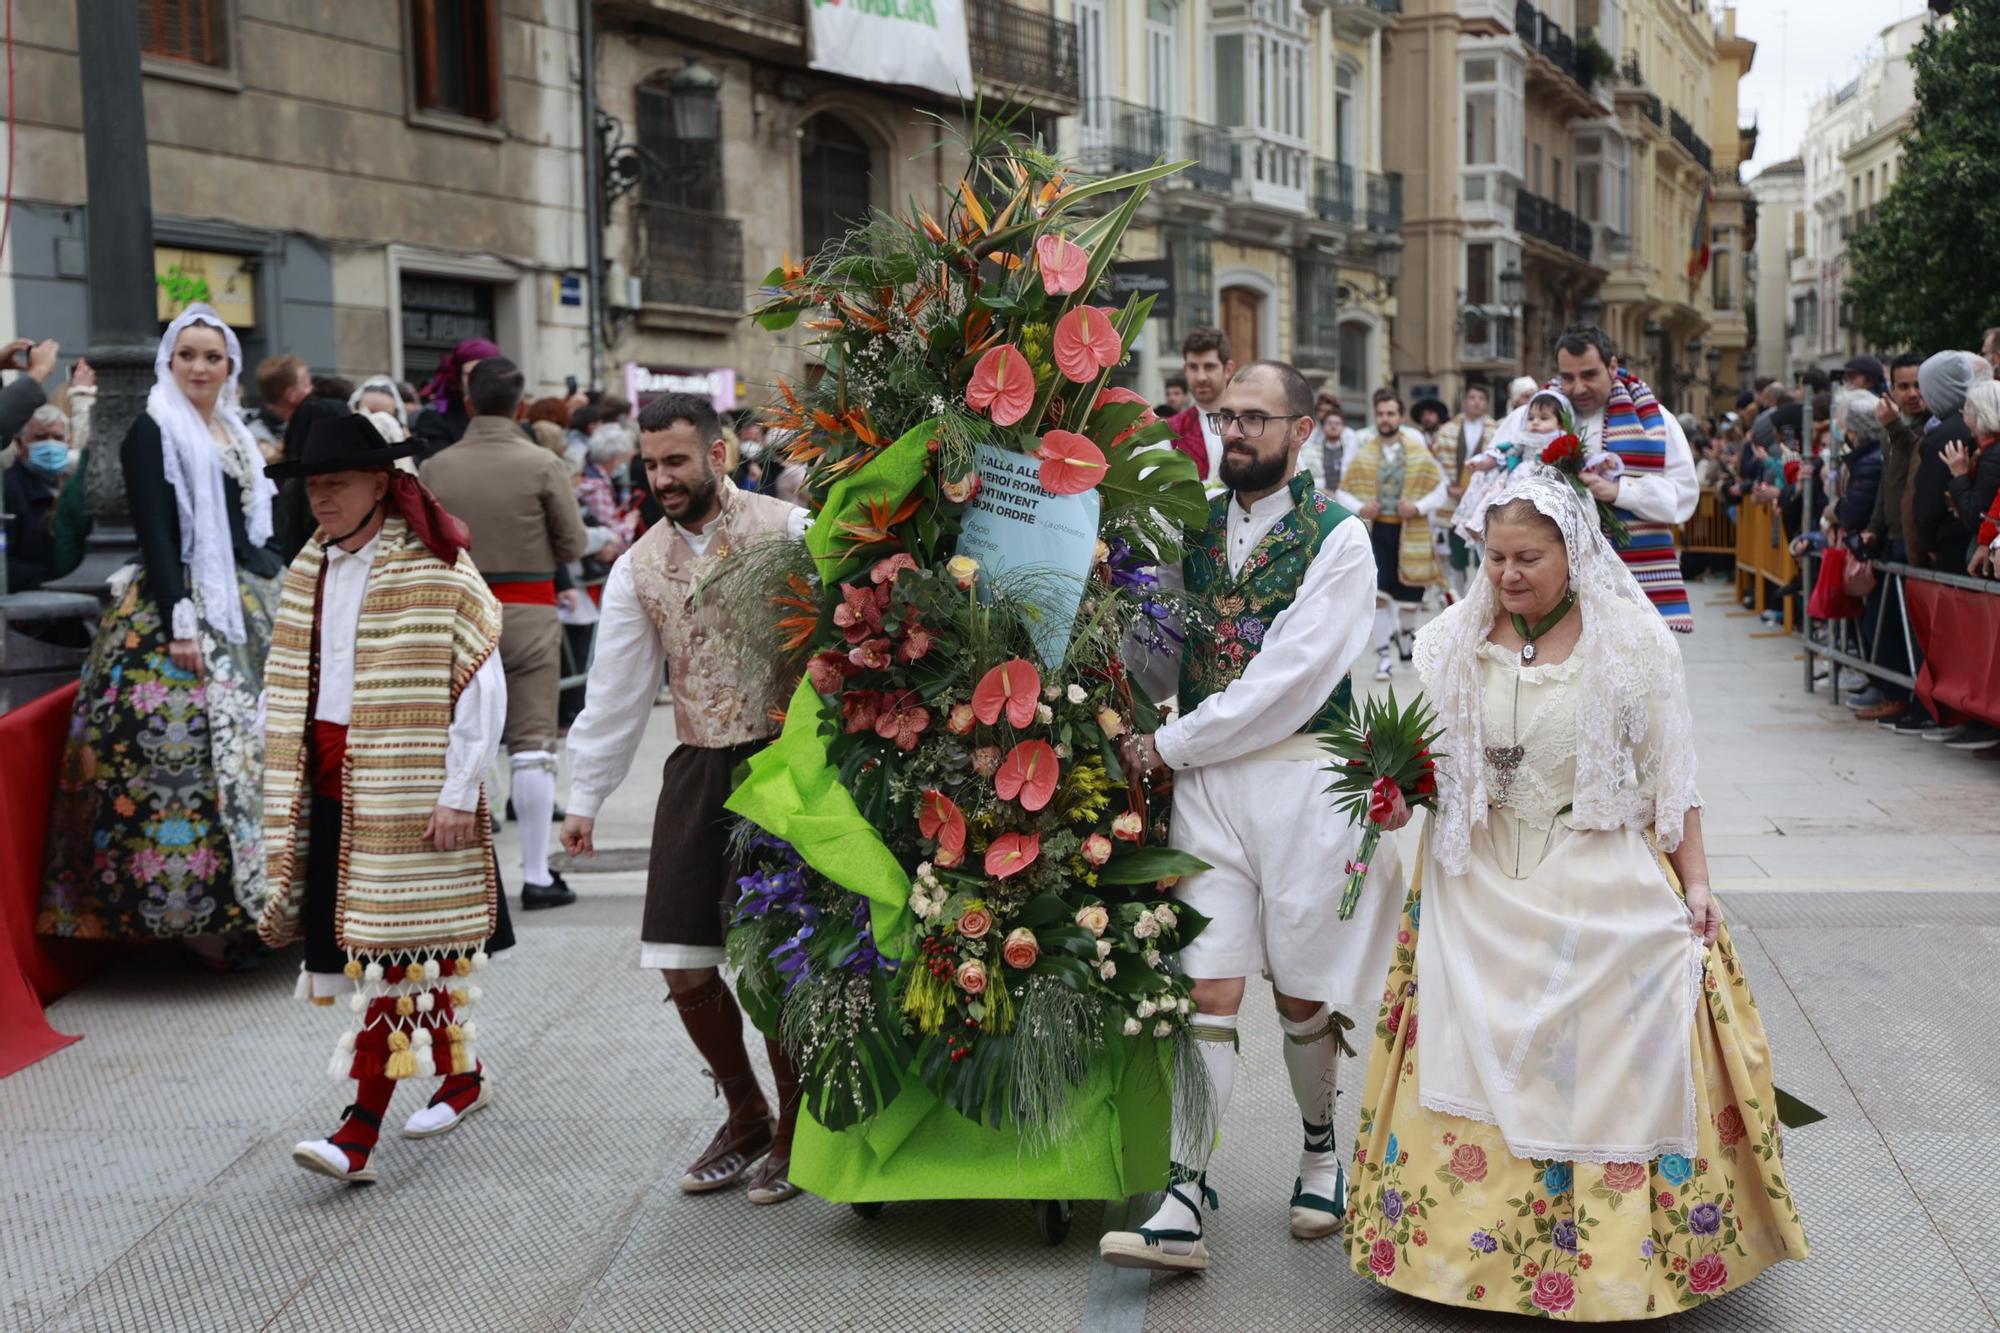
1922 273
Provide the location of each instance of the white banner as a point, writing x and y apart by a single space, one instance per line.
920 43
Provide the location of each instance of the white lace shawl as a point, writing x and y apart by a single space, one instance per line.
194 467
1635 764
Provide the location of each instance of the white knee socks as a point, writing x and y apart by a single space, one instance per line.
1312 1058
534 796
1215 1037
1385 625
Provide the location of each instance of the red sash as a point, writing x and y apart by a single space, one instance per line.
541 592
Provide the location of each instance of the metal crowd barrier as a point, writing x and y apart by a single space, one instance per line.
1711 531
1846 649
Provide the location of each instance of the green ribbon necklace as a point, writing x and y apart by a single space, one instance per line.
1547 623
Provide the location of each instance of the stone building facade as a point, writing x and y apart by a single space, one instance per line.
359 182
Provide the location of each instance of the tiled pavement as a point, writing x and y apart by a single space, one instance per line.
148 1184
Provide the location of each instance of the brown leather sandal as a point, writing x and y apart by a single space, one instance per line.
771 1182
732 1152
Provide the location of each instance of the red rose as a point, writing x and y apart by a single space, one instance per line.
1583 1261
1541 1206
1680 1264
1562 449
1708 1274
1624 1177
1554 1292
1419 1237
1729 1126
1479 1293
1382 1257
1468 1163
1410 1032
1531 1269
1386 804
1666 1199
1396 1016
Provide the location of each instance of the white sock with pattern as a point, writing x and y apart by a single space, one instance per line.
1215 1038
1385 626
1312 1058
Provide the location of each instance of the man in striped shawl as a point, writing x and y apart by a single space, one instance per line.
385 704
1656 491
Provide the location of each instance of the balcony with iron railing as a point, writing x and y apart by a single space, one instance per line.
1353 198
1115 135
1487 336
1014 47
1360 19
686 257
1384 193
1544 35
1682 132
1271 170
1544 220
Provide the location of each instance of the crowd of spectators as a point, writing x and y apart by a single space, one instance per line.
1891 464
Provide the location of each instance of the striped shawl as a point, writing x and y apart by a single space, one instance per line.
425 630
1416 555
1635 429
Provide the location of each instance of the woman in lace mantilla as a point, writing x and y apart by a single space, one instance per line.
1590 1130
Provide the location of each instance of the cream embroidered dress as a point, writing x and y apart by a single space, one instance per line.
1587 1127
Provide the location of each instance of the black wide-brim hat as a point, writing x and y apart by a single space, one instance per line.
342 444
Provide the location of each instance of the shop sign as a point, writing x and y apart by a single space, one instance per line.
645 383
183 278
916 43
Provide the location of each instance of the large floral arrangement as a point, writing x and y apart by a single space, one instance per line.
1021 924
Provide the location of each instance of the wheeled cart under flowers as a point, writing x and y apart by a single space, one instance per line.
954 907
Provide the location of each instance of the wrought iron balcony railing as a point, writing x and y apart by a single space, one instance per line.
1544 220
1017 47
1683 134
690 258
1115 135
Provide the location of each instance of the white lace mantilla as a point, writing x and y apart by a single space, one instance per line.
1633 732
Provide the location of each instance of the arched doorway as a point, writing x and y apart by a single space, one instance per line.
1242 318
836 185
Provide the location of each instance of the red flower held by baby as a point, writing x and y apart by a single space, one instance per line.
1563 450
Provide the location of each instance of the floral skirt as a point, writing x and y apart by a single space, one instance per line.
156 828
1438 1209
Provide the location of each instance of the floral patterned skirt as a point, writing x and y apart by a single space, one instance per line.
1439 1209
156 829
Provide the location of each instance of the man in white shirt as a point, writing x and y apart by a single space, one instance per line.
1458 443
1657 489
651 619
1286 579
379 893
1392 483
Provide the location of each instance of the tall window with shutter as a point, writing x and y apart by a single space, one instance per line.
195 31
455 54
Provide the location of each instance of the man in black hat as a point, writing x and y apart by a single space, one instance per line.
385 700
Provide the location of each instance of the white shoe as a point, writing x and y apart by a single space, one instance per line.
441 1119
1384 666
321 1157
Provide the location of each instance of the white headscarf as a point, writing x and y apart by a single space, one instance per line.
194 467
383 384
1635 763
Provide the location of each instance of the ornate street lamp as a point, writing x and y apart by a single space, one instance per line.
695 96
1513 286
1389 262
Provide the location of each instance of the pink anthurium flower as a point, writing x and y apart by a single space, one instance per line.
1063 262
1011 853
1002 385
1012 686
1071 463
1029 774
939 817
1086 342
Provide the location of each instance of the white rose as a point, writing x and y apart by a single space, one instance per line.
1107 969
920 903
1147 927
1044 714
1104 948
1144 1009
1163 1028
1132 1028
1052 692
1165 916
1062 751
1093 919
1077 694
1152 958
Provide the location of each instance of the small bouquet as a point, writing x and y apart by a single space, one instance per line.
1383 771
1565 454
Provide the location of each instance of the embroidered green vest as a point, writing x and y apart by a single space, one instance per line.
1239 610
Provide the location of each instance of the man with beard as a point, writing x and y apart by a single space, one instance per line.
1283 577
652 619
516 498
1394 485
1206 364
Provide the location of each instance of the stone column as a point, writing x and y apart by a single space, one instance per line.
123 306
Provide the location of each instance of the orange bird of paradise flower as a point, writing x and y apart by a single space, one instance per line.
803 623
877 526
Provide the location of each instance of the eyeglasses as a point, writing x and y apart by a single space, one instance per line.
1252 424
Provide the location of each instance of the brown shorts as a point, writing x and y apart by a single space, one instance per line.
691 880
531 655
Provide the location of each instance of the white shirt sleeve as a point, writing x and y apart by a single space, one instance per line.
618 696
1436 500
1305 653
1669 497
474 738
797 522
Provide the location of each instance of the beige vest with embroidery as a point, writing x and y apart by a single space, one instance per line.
711 706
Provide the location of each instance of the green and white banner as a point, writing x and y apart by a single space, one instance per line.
919 43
